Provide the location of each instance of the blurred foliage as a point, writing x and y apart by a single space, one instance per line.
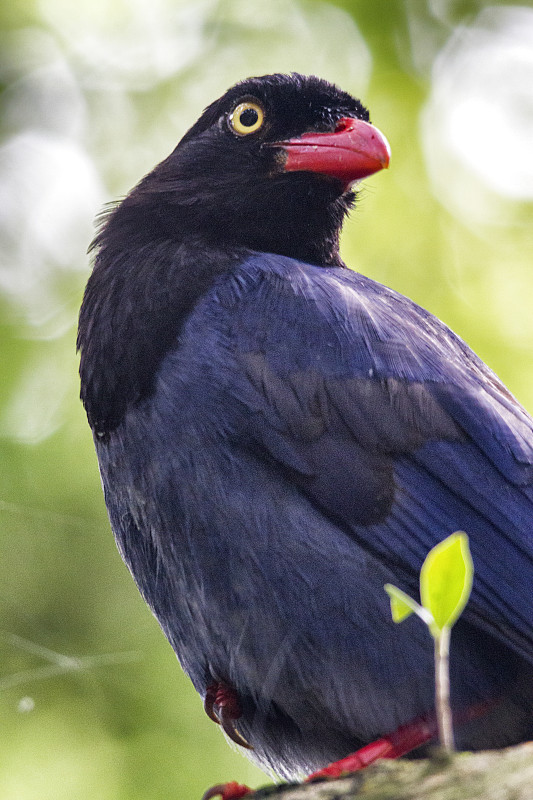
93 94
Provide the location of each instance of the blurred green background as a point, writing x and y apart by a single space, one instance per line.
92 701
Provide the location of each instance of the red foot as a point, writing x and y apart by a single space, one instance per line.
221 704
397 744
227 791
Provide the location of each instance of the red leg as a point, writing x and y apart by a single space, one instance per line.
221 704
227 791
397 744
407 738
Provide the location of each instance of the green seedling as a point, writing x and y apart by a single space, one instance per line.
445 586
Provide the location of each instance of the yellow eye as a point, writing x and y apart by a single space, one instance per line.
246 118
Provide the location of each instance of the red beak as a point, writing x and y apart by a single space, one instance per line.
353 151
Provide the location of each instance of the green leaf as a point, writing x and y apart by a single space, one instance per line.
401 605
446 580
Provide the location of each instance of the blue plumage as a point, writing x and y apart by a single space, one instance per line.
248 490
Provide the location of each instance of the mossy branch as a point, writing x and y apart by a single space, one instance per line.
495 775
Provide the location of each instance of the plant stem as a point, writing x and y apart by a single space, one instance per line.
442 689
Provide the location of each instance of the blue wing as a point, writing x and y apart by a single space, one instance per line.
389 424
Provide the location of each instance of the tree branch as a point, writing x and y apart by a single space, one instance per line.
495 775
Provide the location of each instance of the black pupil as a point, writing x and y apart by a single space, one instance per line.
248 117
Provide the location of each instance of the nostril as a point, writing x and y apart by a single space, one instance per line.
343 124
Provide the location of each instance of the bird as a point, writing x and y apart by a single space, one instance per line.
279 436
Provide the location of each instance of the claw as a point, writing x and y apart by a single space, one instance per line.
209 702
228 726
221 704
227 791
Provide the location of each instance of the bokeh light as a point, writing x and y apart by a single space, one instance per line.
478 122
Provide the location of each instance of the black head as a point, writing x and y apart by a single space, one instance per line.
230 180
267 167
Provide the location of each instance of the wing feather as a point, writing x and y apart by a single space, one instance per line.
392 427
